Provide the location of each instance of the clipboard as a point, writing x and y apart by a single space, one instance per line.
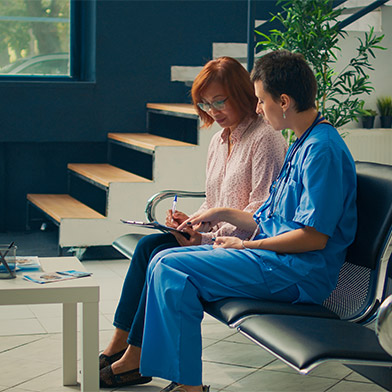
155 226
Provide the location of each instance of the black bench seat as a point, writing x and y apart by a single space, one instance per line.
232 311
304 343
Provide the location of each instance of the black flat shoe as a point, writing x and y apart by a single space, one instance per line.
109 380
107 360
175 387
170 387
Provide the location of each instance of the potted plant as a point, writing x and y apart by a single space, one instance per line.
311 27
384 106
367 117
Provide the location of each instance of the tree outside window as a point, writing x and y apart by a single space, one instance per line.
33 35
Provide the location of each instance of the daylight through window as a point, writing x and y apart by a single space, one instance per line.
35 37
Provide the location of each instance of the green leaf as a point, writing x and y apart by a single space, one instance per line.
311 28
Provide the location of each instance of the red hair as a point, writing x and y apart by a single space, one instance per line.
234 79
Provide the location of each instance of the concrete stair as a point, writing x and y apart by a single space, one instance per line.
187 74
139 165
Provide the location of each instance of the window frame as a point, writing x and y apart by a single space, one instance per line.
82 47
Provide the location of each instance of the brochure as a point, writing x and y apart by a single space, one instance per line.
58 276
28 263
156 226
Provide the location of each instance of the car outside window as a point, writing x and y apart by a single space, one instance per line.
35 37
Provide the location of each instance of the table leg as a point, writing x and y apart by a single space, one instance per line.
70 365
90 347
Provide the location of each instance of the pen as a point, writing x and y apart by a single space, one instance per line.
12 273
174 204
9 247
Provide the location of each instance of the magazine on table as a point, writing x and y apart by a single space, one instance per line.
28 263
155 226
58 276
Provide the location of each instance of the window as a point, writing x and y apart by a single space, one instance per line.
35 37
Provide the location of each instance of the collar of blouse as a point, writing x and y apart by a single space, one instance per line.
234 136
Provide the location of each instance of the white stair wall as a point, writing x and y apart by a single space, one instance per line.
371 145
178 168
239 50
236 50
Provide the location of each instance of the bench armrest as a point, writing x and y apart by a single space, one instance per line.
158 197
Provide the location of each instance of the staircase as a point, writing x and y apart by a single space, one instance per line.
170 155
187 74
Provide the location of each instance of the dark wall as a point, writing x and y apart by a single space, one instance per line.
43 126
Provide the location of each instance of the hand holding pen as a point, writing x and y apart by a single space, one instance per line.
179 216
174 205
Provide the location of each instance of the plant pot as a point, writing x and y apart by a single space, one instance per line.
386 121
368 122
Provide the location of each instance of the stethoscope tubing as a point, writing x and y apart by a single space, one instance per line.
284 173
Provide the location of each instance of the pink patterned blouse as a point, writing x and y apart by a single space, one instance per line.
242 179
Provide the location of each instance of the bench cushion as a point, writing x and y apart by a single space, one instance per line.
126 244
232 310
305 342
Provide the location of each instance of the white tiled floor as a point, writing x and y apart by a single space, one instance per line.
30 351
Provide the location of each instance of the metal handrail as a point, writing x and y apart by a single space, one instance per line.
153 201
362 12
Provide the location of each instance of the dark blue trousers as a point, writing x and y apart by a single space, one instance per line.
130 310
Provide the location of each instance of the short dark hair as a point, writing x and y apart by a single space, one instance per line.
235 80
284 72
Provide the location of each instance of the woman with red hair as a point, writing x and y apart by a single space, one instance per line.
244 159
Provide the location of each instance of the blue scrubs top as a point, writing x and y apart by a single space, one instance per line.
318 190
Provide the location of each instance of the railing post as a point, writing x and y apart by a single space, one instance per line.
354 17
251 34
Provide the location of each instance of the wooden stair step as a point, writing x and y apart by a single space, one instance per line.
146 141
63 206
184 108
104 173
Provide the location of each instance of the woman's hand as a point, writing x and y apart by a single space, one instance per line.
195 237
174 220
228 242
241 219
204 221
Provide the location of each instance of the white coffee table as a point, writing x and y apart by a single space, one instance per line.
70 292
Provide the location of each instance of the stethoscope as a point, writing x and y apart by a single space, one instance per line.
279 184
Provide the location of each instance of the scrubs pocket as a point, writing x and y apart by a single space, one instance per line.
289 200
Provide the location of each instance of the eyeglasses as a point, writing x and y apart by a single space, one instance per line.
217 105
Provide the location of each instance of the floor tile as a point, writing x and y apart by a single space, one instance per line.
219 375
330 370
17 389
50 382
352 386
237 354
216 330
271 381
16 327
110 288
8 312
239 338
47 310
154 386
16 370
10 342
105 323
108 306
353 376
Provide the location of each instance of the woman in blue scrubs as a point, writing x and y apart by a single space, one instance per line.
301 233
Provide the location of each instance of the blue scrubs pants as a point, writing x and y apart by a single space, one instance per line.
130 310
178 279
